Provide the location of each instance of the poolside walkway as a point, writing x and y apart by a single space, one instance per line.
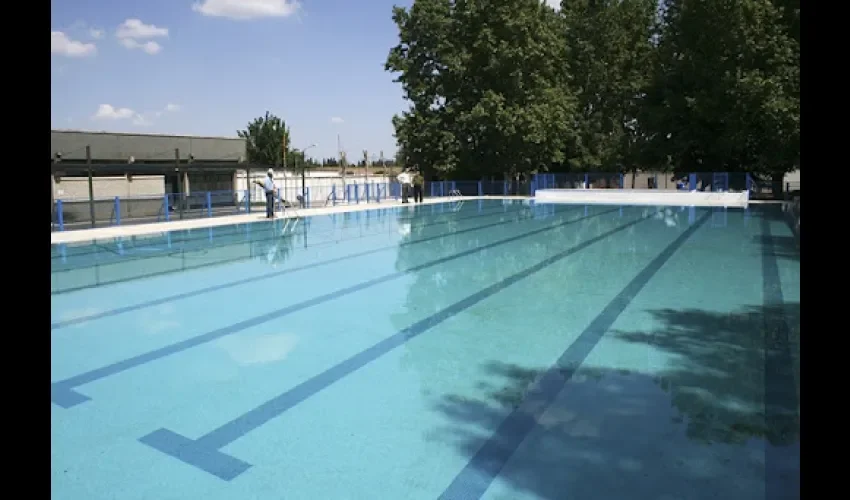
82 235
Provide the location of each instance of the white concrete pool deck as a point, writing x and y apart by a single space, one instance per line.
256 215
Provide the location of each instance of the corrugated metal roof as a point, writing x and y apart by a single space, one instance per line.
106 132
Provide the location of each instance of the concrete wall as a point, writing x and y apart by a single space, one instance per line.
77 188
642 180
140 197
665 181
654 197
792 180
320 186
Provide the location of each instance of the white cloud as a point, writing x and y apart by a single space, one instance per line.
96 33
555 4
134 34
246 9
62 45
136 29
144 119
337 119
149 47
109 112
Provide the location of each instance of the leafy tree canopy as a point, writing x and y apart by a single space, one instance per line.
264 140
512 86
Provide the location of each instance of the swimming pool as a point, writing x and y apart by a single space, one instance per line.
479 349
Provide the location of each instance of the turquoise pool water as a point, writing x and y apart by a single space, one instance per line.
483 349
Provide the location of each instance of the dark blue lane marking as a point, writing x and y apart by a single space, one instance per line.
271 228
63 394
272 234
390 212
781 461
204 452
184 295
233 230
474 479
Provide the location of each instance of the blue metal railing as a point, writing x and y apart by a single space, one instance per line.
176 206
71 213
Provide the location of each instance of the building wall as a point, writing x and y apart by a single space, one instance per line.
140 197
77 188
792 180
321 186
642 180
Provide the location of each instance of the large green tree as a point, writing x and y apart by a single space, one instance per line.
725 95
501 86
486 83
610 53
264 138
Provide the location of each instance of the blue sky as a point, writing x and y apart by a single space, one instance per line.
207 67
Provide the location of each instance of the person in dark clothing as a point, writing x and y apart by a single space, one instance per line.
418 185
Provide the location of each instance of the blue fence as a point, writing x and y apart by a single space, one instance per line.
101 212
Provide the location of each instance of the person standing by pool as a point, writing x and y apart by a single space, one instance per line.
268 186
418 184
405 179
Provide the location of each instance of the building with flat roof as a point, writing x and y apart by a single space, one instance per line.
119 146
138 166
103 177
206 163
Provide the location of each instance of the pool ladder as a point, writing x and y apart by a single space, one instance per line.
289 225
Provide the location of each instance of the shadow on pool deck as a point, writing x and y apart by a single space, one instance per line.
700 427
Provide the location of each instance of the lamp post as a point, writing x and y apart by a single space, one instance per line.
303 172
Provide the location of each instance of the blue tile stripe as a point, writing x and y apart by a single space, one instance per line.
266 227
204 452
63 394
253 279
782 479
182 252
474 479
79 249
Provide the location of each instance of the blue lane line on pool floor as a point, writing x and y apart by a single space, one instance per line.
474 479
253 279
204 452
781 458
63 394
185 251
228 229
269 227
